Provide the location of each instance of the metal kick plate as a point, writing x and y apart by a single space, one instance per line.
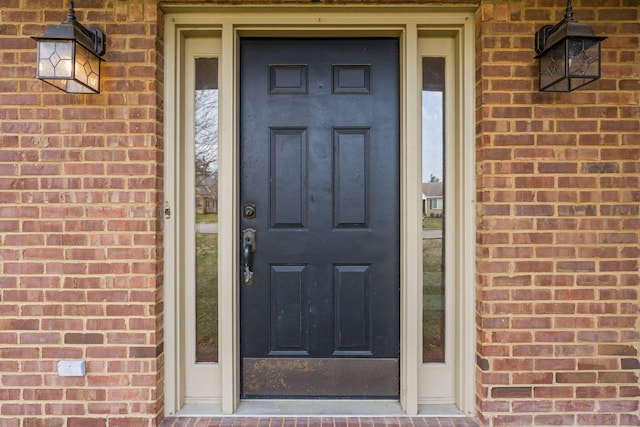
348 377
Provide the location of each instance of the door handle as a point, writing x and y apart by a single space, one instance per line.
248 246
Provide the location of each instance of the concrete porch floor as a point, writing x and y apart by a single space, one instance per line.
268 421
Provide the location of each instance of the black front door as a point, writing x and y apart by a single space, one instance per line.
319 190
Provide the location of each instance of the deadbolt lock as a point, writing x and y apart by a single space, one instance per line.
249 211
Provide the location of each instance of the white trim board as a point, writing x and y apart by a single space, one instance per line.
223 27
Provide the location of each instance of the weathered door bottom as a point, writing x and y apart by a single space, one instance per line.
323 377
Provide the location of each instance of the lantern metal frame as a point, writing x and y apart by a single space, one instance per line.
69 55
569 54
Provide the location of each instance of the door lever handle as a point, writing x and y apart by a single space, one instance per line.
248 247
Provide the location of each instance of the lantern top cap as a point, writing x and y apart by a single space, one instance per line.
91 38
566 28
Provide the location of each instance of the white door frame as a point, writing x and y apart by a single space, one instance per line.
227 25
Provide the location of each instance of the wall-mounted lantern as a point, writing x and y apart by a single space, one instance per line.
69 56
569 54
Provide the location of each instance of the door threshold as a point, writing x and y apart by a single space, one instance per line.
319 407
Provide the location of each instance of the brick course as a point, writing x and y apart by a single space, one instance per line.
79 226
558 227
561 169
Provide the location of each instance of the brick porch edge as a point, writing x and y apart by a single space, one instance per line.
318 422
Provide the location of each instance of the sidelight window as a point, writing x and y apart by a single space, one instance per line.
205 135
191 231
446 236
433 215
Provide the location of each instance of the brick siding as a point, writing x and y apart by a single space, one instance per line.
558 223
80 228
558 219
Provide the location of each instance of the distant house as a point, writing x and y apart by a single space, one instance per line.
206 192
432 198
206 202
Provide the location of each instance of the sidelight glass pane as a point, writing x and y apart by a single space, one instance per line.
206 208
433 178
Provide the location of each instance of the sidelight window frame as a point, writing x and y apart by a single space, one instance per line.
225 25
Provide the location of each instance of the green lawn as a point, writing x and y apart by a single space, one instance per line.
202 218
429 223
207 297
433 301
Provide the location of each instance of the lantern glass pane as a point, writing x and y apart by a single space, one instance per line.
87 68
62 59
552 69
81 61
46 48
54 59
584 58
59 83
93 75
45 67
73 86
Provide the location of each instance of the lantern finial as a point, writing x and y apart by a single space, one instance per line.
568 15
71 13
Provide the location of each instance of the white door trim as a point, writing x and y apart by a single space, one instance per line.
228 24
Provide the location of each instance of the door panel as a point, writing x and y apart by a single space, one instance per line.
288 310
352 310
319 156
288 167
351 177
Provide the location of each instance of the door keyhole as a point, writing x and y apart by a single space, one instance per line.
249 211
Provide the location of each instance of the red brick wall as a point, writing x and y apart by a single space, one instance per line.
558 223
80 230
558 220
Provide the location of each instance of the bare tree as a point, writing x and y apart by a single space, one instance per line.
206 133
